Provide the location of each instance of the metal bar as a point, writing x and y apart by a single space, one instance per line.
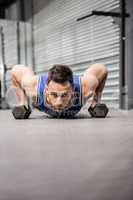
112 14
123 88
2 64
32 37
103 13
86 16
18 42
123 42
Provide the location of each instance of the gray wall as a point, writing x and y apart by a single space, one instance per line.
21 11
13 13
129 52
17 42
59 38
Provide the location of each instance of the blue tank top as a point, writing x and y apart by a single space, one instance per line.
69 112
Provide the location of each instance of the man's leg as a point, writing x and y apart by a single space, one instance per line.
18 73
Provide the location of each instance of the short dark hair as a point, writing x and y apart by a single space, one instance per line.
60 74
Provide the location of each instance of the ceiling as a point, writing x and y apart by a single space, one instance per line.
6 3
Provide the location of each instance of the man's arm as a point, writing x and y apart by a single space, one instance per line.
93 82
25 83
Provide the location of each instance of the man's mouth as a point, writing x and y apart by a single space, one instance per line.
59 109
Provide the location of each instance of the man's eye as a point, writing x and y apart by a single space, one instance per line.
64 95
54 95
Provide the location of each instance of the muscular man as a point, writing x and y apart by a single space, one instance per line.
59 93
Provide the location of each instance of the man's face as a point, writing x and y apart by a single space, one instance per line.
59 96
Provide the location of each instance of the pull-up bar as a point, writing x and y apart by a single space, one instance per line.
102 13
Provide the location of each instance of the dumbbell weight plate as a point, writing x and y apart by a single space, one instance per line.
99 111
21 112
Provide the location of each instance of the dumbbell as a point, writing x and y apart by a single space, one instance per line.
21 112
99 110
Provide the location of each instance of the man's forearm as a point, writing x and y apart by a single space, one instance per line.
98 92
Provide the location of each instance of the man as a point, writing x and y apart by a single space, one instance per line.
59 93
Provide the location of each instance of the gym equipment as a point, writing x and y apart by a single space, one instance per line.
21 112
3 104
98 111
3 71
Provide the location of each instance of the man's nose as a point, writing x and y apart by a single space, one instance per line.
59 101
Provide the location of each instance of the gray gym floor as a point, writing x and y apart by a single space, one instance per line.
66 159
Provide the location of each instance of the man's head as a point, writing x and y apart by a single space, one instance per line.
59 90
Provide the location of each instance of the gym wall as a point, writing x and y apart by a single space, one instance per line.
50 34
8 50
16 45
60 38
